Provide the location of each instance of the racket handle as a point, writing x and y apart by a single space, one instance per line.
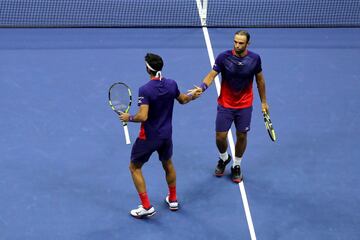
127 137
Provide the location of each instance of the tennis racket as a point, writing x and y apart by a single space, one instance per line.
120 101
269 126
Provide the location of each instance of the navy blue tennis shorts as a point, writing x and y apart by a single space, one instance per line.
142 149
226 116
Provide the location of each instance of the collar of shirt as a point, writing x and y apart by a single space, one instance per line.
234 54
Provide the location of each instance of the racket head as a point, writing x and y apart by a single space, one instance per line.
120 97
269 127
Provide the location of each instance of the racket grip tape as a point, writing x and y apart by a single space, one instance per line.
127 136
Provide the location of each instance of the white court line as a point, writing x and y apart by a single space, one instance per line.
202 14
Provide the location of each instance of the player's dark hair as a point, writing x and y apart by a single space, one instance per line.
155 62
244 33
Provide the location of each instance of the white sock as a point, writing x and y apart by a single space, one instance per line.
224 156
237 161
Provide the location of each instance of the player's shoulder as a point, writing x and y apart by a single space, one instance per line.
169 81
225 54
253 54
145 87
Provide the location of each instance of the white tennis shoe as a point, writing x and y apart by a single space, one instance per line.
141 212
173 206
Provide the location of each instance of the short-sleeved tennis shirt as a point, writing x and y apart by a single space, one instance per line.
237 74
160 96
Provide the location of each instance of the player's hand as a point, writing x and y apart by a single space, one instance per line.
265 107
124 117
195 92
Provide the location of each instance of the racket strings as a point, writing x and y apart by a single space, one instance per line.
120 97
269 127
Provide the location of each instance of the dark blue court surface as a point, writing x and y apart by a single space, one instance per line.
64 163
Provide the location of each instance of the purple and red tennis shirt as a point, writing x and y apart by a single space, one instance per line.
159 94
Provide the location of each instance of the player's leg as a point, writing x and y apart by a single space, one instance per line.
171 198
140 154
221 142
224 119
165 153
170 173
242 124
240 146
137 177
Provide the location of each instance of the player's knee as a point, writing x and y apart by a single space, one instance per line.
133 168
241 136
167 165
220 137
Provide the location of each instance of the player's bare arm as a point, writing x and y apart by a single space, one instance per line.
207 81
210 77
140 116
260 82
192 95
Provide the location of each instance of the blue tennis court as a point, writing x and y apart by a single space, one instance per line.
64 162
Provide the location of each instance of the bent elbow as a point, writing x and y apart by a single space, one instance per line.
143 118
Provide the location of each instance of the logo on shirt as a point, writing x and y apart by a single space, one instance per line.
140 100
240 63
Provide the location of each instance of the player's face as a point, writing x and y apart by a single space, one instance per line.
240 44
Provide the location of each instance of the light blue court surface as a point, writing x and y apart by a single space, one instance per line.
64 163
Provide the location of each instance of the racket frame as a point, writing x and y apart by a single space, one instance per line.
269 127
126 130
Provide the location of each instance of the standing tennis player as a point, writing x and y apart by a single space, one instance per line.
156 102
238 68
